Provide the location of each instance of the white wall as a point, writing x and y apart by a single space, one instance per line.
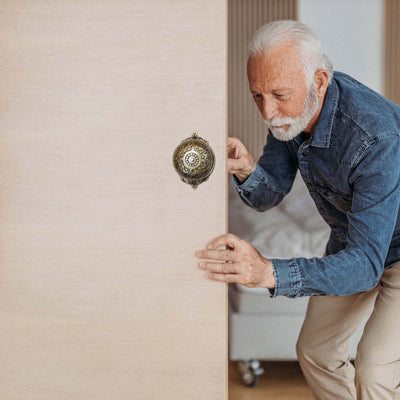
352 35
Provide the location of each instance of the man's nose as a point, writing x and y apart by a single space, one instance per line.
269 110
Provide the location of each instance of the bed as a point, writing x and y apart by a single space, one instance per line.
260 327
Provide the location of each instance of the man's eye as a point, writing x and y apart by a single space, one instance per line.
257 96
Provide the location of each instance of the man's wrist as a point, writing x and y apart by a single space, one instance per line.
242 178
269 275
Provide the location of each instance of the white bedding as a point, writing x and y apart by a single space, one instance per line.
260 327
292 229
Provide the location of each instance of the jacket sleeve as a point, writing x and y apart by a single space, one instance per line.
371 222
272 178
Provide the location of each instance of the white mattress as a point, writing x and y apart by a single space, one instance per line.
292 229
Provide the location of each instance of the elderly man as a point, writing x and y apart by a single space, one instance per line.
345 141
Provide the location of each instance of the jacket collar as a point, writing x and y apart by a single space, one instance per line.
322 132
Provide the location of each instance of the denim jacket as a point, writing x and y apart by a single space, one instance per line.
351 166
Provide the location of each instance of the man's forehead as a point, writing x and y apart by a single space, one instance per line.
280 63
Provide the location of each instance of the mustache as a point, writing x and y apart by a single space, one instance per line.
275 122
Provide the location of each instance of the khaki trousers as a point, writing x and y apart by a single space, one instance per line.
322 347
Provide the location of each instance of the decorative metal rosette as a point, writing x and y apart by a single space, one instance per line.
194 160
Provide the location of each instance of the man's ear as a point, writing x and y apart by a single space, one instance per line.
321 79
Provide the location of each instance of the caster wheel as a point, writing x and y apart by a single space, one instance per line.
250 372
249 379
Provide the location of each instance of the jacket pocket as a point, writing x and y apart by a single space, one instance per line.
340 201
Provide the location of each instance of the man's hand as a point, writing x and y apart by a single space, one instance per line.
242 263
240 162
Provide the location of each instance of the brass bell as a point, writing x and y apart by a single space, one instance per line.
194 160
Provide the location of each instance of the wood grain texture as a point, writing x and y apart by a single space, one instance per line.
245 17
392 50
100 297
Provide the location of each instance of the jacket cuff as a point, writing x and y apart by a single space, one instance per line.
251 182
287 278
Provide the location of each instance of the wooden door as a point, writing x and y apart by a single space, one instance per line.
100 296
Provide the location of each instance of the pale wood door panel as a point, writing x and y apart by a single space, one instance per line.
100 297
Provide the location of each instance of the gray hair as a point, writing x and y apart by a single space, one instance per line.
306 41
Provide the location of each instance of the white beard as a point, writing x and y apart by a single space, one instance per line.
298 124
